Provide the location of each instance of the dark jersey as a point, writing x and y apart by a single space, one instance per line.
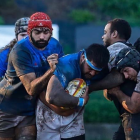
127 88
23 59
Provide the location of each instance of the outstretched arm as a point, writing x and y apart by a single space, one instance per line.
113 79
56 95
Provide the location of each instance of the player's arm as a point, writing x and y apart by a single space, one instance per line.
56 95
22 62
113 79
35 85
131 104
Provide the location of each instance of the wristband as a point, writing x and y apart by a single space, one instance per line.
81 102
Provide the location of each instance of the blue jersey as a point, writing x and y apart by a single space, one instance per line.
3 61
68 68
4 54
24 58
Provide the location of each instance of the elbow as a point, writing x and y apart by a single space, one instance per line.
50 99
131 108
54 100
31 93
134 110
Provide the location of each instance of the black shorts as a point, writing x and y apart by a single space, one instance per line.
82 137
119 135
9 122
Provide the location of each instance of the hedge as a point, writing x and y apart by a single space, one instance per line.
100 110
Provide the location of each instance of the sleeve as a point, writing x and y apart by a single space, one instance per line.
61 77
137 87
61 53
65 72
21 60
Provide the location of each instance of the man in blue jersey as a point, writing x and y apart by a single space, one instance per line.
20 32
26 77
56 123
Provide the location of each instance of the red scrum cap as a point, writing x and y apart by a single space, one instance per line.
39 19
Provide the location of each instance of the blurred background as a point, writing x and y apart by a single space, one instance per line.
77 24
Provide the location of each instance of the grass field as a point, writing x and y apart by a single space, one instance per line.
100 110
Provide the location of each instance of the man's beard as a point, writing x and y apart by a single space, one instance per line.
107 43
40 44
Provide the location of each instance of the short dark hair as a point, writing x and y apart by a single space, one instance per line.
122 27
98 54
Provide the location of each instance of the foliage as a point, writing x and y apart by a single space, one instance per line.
79 11
126 9
103 10
82 16
67 49
99 110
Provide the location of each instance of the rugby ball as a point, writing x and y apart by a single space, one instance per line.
76 87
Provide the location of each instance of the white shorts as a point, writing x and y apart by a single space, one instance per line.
51 126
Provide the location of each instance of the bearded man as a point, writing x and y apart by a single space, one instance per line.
30 67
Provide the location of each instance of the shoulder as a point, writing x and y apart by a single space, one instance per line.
54 44
114 50
55 47
117 47
69 64
53 41
19 52
22 46
71 58
68 69
5 52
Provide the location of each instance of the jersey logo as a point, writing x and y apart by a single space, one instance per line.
35 64
40 24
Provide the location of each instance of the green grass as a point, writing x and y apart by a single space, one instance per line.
100 110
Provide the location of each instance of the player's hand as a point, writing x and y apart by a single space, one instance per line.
53 60
86 96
